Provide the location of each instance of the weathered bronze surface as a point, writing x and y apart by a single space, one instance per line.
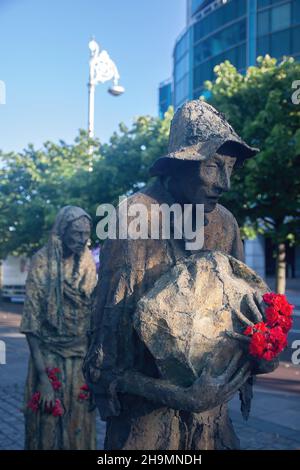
144 407
56 320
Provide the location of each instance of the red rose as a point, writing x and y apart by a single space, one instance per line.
34 402
84 387
52 374
57 409
268 339
84 393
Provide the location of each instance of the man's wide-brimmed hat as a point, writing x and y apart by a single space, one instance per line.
197 132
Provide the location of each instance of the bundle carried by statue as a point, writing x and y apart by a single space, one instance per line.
201 307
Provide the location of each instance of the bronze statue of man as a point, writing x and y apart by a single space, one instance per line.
142 410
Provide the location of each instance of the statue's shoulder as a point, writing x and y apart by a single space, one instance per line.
38 267
146 197
225 215
39 259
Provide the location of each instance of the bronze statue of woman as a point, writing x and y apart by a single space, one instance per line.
56 321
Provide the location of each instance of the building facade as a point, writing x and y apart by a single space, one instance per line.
165 98
238 31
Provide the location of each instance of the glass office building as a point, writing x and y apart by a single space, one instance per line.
164 97
237 30
240 31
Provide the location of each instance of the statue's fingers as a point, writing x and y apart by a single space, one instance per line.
243 318
238 336
232 367
258 298
208 366
254 309
239 379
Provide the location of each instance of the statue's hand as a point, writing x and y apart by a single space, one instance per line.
212 391
261 366
256 306
47 392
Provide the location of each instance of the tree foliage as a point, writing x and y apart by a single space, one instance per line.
35 184
265 194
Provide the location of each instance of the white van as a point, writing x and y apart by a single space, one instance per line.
13 274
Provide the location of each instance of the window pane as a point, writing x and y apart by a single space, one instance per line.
296 40
263 3
263 45
281 17
242 7
280 44
296 12
181 46
263 23
181 91
182 67
241 57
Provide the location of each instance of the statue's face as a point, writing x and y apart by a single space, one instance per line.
77 235
205 182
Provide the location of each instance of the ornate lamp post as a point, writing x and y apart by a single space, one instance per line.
102 69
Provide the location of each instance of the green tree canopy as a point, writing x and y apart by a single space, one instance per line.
35 184
265 194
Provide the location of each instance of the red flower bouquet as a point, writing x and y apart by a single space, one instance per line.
84 393
35 401
52 374
269 338
56 409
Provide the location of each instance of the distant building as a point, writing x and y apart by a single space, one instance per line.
239 31
164 97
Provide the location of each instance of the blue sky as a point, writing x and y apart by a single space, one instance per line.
44 64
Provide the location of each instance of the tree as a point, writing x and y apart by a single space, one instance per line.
35 184
32 189
266 192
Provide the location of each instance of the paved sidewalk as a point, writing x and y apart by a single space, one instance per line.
274 422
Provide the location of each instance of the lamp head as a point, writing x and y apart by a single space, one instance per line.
116 90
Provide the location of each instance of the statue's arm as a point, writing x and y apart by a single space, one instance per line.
160 391
37 357
205 393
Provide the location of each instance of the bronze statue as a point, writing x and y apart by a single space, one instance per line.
56 320
143 410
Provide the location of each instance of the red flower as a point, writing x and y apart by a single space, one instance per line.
275 318
84 387
84 394
269 338
268 344
52 374
269 297
57 409
258 327
34 402
279 303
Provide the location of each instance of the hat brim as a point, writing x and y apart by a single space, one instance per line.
237 149
233 148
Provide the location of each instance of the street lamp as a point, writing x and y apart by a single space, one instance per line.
102 69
